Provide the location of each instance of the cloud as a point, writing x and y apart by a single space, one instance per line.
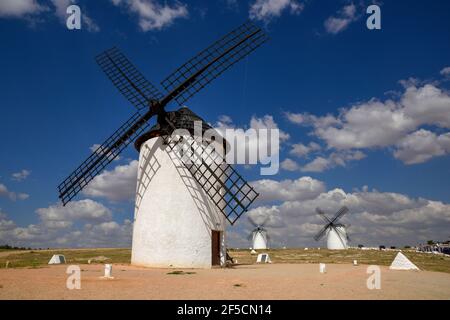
152 15
13 196
61 12
58 216
422 145
118 184
376 217
299 189
5 224
289 165
320 164
95 148
306 119
232 4
390 123
267 122
445 71
20 8
225 119
31 8
341 20
300 150
58 227
267 10
251 142
21 175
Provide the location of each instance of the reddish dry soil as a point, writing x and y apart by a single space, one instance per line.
276 281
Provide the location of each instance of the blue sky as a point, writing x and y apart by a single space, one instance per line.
376 105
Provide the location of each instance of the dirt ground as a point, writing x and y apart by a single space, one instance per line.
274 281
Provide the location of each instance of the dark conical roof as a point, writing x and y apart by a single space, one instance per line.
182 118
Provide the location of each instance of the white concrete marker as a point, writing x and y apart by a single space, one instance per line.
57 259
323 268
355 262
108 271
263 258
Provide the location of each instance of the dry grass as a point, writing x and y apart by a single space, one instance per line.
35 259
428 262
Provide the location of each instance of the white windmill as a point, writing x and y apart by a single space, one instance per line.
259 235
186 191
337 238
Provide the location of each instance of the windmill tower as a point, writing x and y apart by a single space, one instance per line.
337 237
182 203
259 235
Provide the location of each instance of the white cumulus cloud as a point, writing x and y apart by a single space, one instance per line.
153 15
20 8
21 175
58 216
13 196
445 71
396 123
266 10
376 217
342 19
118 184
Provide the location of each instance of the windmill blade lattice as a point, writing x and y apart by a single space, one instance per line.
130 82
321 233
213 61
101 157
182 84
339 214
224 186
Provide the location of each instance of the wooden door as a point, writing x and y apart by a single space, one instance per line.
215 247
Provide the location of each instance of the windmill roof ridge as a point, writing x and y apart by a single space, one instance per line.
182 118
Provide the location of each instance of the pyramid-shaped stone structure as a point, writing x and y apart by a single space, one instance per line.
401 262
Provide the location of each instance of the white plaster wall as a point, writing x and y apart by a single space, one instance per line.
173 214
259 241
334 242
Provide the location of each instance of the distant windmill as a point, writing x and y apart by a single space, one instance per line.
181 207
337 238
259 235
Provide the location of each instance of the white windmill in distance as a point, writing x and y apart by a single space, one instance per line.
259 235
337 238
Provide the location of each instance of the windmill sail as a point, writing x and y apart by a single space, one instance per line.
339 214
182 84
321 233
224 186
130 82
101 157
331 224
195 74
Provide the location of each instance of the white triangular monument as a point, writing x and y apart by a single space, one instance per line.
401 262
57 259
263 258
